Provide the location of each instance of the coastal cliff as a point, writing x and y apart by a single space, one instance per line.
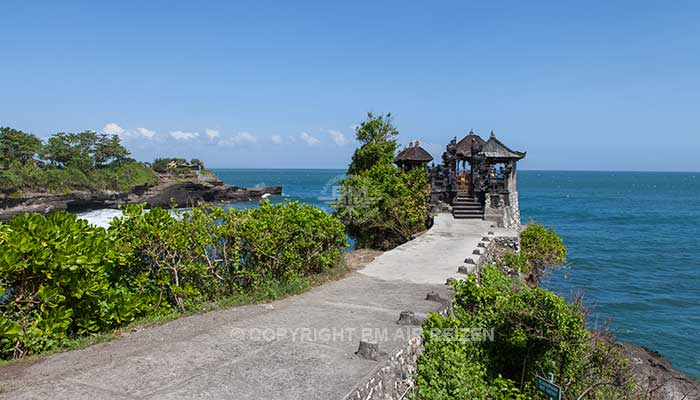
181 190
657 377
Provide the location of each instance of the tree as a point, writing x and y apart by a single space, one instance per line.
61 149
84 150
381 205
161 164
109 149
377 135
17 146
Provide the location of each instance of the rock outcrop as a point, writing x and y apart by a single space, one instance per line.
657 377
184 192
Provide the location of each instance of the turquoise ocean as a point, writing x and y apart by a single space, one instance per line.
633 240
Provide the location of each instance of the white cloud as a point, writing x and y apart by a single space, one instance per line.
241 138
212 134
277 139
180 135
113 128
338 137
147 133
310 140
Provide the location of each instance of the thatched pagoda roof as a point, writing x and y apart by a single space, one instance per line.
414 153
470 145
494 148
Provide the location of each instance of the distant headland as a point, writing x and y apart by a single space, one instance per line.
90 170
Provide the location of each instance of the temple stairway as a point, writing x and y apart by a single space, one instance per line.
467 207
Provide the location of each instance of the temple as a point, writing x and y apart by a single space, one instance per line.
412 156
477 178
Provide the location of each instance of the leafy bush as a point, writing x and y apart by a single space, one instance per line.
540 248
10 182
161 164
535 332
55 275
62 278
210 252
382 205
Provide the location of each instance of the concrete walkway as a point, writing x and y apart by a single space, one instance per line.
297 348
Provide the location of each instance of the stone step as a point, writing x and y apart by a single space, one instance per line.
463 203
479 212
468 216
468 208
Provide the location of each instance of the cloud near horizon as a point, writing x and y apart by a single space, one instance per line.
180 135
240 139
338 137
113 128
212 133
309 139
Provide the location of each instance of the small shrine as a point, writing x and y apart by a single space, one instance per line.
477 178
412 156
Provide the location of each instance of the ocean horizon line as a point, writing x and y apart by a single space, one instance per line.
521 170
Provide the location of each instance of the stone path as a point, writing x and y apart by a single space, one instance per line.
301 347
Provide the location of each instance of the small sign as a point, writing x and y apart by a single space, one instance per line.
549 388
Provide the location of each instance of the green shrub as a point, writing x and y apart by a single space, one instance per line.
535 332
161 164
55 275
541 247
210 252
61 278
10 182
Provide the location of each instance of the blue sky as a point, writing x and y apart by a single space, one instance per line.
578 85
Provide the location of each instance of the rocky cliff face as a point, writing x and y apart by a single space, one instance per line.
184 192
656 376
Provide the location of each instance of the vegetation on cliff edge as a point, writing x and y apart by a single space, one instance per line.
382 205
86 161
535 332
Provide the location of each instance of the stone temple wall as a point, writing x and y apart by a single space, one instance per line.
503 209
394 379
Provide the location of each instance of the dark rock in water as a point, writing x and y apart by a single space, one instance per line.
186 194
657 377
485 239
464 270
469 261
481 245
182 193
476 251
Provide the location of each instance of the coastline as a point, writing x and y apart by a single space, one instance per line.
181 191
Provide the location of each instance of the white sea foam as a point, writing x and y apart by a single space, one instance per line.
100 218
